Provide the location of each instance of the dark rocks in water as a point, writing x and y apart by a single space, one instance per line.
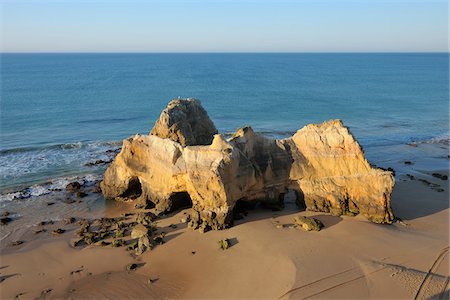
113 150
408 162
98 162
73 186
411 177
97 189
412 144
391 170
5 220
81 194
307 223
58 231
440 176
17 243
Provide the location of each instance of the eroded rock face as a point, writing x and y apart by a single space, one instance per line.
322 163
185 122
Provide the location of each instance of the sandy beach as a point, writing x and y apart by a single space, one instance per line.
268 259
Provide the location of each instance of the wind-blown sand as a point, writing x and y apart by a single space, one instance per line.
350 258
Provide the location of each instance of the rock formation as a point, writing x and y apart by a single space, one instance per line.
184 161
185 122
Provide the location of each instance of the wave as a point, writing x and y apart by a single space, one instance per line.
53 185
66 146
442 139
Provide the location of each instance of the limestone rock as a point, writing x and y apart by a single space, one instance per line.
139 231
185 122
322 163
307 223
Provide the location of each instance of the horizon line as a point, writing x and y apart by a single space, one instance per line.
221 52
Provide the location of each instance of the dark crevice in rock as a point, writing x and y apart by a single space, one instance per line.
179 200
134 189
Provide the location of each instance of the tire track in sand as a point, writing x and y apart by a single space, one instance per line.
335 280
421 292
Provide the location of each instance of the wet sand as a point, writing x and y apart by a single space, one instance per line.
349 258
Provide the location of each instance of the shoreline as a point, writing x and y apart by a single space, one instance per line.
350 257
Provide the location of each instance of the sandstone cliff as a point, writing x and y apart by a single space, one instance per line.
184 160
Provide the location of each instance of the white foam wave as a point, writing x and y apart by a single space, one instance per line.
56 184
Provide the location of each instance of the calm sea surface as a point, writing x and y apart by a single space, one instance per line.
61 111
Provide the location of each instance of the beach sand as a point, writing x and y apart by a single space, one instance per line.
350 258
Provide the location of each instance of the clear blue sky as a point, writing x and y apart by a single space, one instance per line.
224 26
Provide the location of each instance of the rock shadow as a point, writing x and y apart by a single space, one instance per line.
415 197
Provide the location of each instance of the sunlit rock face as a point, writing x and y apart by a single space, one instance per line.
185 162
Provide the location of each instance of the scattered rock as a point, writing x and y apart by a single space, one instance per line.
79 270
97 162
411 177
70 220
50 203
408 162
97 189
81 194
151 281
440 176
73 186
118 243
193 252
5 220
131 267
46 291
40 230
17 243
145 218
19 295
58 231
138 231
308 223
224 244
173 226
77 242
5 214
102 243
159 239
132 246
144 244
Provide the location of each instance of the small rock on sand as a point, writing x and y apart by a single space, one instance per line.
308 223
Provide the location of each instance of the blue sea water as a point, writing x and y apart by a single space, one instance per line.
61 111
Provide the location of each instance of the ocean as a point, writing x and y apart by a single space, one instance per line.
60 112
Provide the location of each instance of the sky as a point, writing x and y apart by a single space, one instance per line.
224 26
